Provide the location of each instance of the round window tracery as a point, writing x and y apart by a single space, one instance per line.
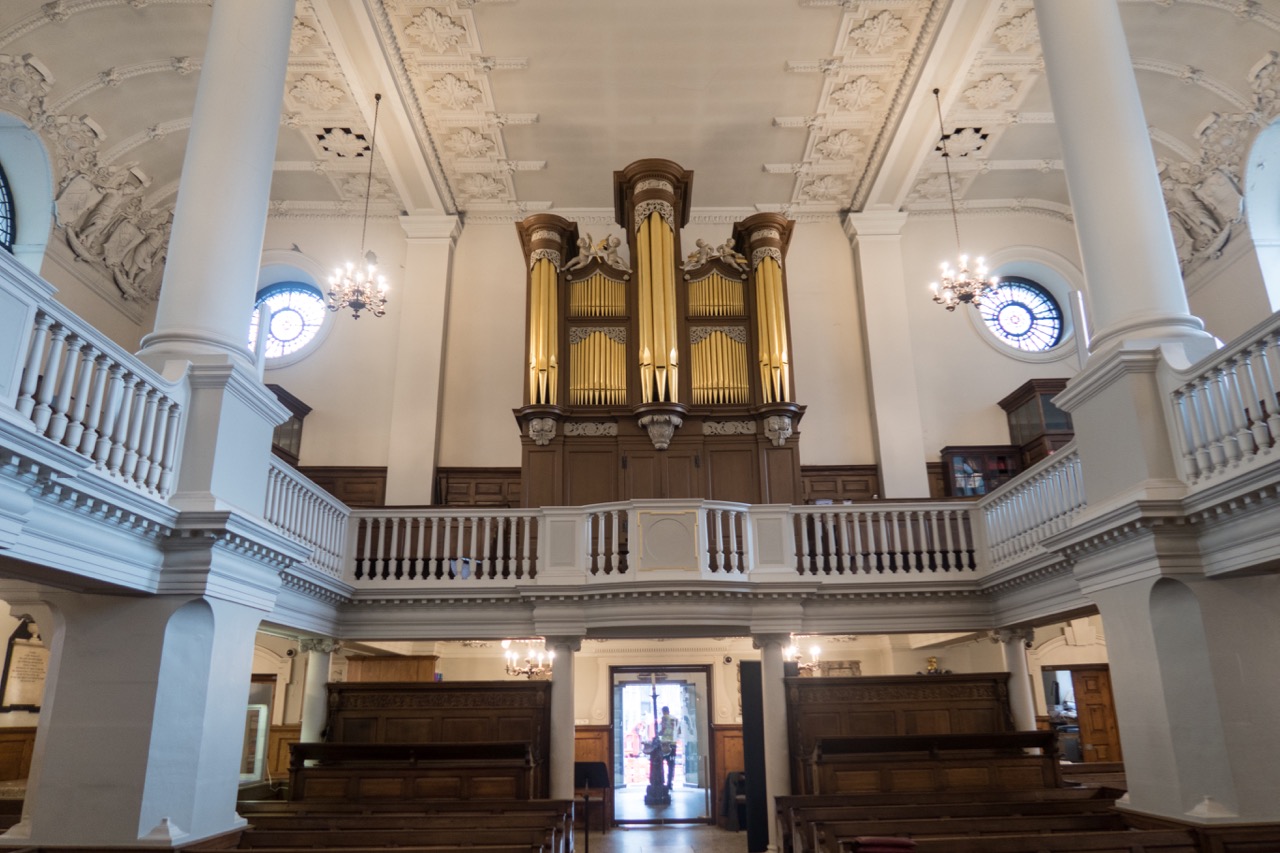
1023 315
296 311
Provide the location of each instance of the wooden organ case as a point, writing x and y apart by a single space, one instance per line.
657 375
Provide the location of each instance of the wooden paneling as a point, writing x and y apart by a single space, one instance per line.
591 743
592 475
478 487
727 748
733 474
16 744
818 708
278 741
392 668
357 487
541 483
445 712
839 483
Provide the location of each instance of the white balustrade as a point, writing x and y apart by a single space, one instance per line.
727 539
1225 408
607 549
884 538
1039 502
438 546
80 390
309 514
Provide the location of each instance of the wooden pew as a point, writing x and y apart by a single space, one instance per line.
359 772
302 825
929 763
1120 841
796 812
828 834
541 838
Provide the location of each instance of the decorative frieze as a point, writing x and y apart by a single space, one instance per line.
728 427
590 428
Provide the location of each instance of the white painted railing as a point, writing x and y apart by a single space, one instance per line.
438 546
1226 410
85 393
308 514
884 538
727 540
1039 502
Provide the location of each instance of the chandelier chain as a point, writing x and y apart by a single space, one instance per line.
368 184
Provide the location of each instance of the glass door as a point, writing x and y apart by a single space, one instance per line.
661 728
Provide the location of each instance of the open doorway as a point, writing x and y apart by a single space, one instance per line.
662 762
1082 711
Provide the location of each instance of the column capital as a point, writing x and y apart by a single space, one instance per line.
762 641
431 226
874 223
557 642
1013 635
321 645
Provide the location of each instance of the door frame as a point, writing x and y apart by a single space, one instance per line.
1074 668
708 672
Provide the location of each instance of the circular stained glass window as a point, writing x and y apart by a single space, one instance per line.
296 311
1023 315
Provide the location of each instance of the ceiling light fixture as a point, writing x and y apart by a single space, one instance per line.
360 288
962 285
536 665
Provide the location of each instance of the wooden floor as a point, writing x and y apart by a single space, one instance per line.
665 839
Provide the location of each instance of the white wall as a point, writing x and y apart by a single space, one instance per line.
484 364
347 379
961 377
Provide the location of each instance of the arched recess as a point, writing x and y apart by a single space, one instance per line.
27 166
1262 203
1191 705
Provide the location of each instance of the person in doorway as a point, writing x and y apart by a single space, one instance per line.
668 735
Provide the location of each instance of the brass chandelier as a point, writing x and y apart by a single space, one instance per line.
962 285
359 287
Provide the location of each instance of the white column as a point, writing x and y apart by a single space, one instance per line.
423 305
221 214
315 693
777 763
1130 263
1013 642
562 719
142 721
899 431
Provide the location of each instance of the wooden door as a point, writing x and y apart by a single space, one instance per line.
1096 714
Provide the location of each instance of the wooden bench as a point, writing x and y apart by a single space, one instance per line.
796 813
542 838
1120 841
932 763
828 834
361 772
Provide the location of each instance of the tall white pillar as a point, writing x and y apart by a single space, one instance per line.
423 305
1013 642
215 247
214 252
315 693
777 762
891 358
562 719
1126 245
142 722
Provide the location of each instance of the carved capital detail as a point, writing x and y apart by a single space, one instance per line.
661 428
542 430
778 428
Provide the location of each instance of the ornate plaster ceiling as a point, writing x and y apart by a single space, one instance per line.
498 108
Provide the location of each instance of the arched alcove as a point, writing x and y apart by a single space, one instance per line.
1262 202
30 177
1195 721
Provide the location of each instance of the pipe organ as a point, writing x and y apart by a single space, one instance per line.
652 373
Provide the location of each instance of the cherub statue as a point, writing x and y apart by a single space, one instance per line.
700 255
609 252
726 252
584 256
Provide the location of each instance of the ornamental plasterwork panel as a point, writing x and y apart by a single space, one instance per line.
865 85
995 91
435 51
1019 34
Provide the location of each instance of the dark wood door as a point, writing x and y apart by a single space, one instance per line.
1096 713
